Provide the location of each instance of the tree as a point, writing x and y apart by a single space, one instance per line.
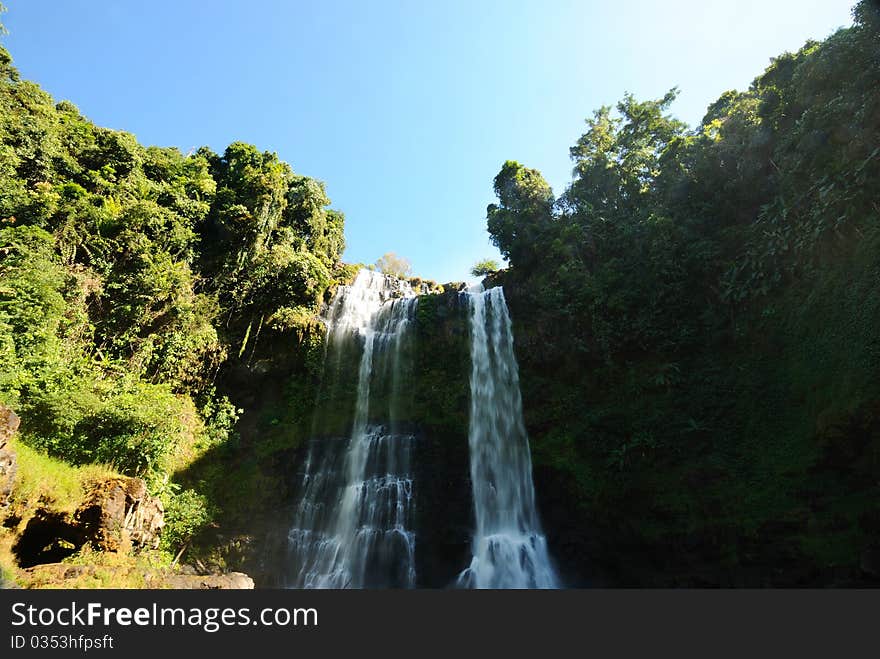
524 212
392 264
619 158
485 267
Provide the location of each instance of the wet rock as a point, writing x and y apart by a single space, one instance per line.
118 514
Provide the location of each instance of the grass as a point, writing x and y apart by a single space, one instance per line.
40 482
48 483
43 480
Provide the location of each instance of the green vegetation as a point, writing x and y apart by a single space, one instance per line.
485 267
41 482
697 321
140 287
42 479
696 318
186 514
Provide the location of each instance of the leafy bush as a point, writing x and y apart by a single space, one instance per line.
186 514
485 267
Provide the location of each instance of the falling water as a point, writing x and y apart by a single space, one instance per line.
509 549
352 527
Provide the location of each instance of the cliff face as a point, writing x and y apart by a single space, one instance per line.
440 415
752 461
433 407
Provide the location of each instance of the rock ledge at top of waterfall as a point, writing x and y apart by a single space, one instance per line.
388 287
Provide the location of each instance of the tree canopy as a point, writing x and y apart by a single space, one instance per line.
485 267
138 281
392 264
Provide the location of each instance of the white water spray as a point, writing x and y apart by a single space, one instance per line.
352 527
509 549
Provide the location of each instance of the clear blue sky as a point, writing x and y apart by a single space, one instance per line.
405 109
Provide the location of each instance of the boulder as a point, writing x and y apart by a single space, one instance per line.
117 514
64 575
9 423
228 581
8 468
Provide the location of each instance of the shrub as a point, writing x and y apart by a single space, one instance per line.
186 514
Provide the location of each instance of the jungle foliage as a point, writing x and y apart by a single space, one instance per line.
134 278
697 320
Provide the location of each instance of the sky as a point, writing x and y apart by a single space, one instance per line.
406 109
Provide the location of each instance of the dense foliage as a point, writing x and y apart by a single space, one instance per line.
697 317
485 267
135 278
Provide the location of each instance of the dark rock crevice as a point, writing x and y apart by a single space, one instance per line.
47 538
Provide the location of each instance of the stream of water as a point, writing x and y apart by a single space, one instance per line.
353 524
509 549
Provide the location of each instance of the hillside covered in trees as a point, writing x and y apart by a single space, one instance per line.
137 288
698 324
696 319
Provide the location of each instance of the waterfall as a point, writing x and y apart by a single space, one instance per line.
509 549
353 524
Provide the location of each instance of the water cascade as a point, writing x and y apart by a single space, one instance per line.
509 548
353 524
